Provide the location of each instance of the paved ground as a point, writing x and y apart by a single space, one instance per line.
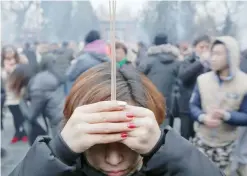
15 152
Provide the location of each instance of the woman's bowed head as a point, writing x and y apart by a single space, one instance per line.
113 135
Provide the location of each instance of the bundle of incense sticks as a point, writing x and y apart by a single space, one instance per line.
112 15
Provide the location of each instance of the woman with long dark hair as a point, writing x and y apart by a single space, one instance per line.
44 94
10 59
114 138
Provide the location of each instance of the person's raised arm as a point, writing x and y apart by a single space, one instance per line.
189 71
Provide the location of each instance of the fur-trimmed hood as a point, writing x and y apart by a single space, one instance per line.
167 49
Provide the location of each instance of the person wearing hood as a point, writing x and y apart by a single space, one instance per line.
161 67
43 94
219 103
94 53
189 69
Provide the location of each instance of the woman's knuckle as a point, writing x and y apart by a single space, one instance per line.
107 128
148 123
78 127
102 117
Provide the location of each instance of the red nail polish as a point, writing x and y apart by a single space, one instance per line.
124 135
129 115
131 125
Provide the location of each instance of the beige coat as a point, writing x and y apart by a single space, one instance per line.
227 96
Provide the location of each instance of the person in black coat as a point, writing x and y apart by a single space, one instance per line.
114 138
161 67
189 70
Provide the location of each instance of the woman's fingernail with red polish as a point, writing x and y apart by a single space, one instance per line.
131 125
130 115
124 135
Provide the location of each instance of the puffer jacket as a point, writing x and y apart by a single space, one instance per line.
172 156
161 67
46 96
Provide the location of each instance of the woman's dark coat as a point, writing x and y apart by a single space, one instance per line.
172 156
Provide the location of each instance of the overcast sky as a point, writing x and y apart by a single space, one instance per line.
134 5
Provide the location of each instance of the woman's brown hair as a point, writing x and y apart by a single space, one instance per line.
3 53
19 78
133 87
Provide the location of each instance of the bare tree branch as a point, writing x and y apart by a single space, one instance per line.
210 18
28 5
20 10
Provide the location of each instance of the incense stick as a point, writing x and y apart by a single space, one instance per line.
112 13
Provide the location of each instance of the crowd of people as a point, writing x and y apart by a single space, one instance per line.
203 84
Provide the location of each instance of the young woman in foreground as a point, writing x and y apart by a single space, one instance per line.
123 138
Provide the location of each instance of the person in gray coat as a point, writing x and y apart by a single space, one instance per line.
114 138
42 94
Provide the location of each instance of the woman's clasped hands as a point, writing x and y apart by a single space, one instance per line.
111 121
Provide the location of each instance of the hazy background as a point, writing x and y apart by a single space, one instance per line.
137 20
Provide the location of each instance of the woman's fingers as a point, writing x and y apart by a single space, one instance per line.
103 117
139 111
106 128
102 106
106 138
